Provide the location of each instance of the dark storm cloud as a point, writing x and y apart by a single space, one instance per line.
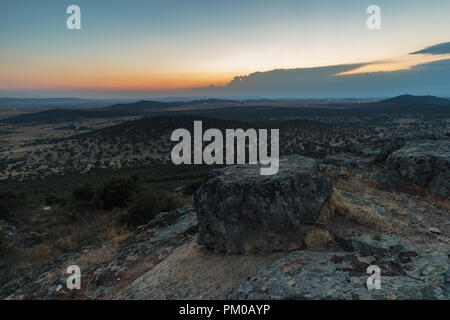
429 78
442 48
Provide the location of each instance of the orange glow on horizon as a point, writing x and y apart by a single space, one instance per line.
135 76
114 81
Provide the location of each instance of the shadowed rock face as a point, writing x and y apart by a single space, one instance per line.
420 165
241 211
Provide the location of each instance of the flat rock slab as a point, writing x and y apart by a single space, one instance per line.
407 272
241 211
194 272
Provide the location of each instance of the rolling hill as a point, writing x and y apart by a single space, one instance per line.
232 110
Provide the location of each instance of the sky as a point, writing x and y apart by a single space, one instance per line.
166 48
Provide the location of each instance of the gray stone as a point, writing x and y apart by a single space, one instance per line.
435 230
419 166
407 272
166 232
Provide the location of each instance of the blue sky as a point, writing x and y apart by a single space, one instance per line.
142 48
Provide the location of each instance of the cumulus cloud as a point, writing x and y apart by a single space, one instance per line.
429 74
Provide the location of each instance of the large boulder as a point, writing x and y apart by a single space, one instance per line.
419 166
241 211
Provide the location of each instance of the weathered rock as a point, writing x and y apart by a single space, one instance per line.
30 239
419 166
8 230
378 150
146 246
435 230
194 272
408 271
240 210
363 156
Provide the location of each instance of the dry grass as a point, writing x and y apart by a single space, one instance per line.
114 234
338 205
440 201
43 252
249 247
317 239
184 200
394 208
98 255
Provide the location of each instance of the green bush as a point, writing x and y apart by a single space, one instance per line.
117 192
84 193
51 199
9 201
193 186
147 206
2 242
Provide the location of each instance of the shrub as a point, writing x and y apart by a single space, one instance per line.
2 242
147 206
51 199
317 239
117 192
84 193
193 186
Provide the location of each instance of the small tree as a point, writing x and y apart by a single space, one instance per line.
117 192
9 201
147 206
84 193
193 186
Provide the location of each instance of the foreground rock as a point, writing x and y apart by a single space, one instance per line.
241 211
407 272
194 272
419 167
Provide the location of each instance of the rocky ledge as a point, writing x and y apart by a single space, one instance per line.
407 271
238 211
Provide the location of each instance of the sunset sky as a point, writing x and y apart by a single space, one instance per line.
149 48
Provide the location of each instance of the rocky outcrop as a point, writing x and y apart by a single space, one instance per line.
363 156
407 272
163 260
419 166
378 150
107 268
240 210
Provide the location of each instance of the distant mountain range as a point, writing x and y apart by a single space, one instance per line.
410 99
46 100
230 109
